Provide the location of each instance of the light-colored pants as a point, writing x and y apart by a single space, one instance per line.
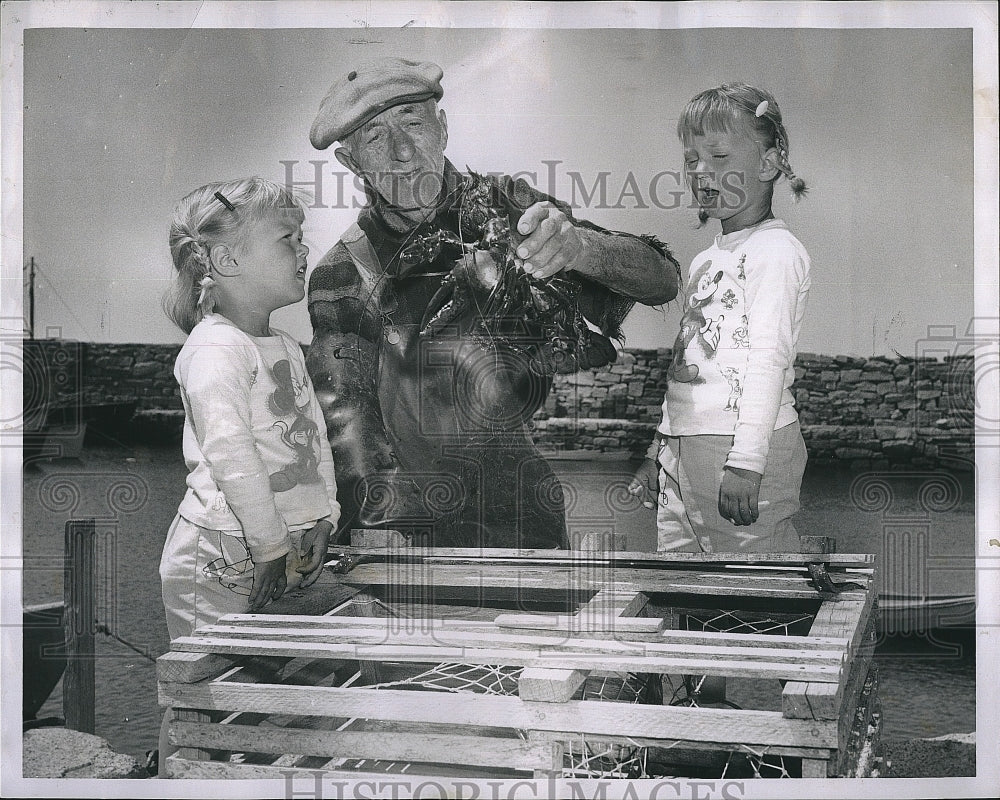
205 574
687 517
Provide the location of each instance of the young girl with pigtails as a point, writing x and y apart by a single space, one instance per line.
726 465
261 495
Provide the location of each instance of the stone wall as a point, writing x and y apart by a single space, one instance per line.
868 411
872 412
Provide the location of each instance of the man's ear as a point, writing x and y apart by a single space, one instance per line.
443 119
223 262
769 169
344 156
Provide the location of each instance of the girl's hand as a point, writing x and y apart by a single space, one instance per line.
643 483
268 583
313 551
738 495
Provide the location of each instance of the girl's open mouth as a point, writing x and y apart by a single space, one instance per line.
708 197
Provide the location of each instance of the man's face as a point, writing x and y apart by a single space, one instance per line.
401 153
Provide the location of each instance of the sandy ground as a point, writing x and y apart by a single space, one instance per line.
944 757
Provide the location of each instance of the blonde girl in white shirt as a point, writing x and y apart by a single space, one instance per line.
261 497
726 465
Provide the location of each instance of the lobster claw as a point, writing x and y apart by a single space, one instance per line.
597 351
516 196
474 277
448 303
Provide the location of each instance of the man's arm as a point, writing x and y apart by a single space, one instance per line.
342 363
629 265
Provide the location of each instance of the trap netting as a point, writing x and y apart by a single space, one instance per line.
583 757
708 691
587 757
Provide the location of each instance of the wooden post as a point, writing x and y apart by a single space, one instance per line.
80 623
31 300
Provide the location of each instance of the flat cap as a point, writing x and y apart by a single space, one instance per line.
364 92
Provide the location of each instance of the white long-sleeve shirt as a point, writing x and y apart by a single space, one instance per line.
254 437
733 361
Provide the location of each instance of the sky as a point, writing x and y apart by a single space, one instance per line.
119 124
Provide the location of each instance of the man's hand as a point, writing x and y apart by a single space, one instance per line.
268 583
738 495
552 242
643 483
313 550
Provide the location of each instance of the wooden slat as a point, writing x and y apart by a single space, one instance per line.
220 770
414 747
651 629
555 579
377 538
284 621
364 606
855 681
593 718
855 718
614 603
581 623
190 667
846 618
789 670
814 768
193 716
599 541
553 645
552 768
548 685
471 555
830 700
720 744
569 654
636 627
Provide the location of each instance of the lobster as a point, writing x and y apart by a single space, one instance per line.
540 319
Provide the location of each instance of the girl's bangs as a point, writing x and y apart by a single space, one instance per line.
708 114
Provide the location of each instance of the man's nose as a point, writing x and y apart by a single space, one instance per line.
402 146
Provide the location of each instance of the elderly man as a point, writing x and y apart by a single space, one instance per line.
430 432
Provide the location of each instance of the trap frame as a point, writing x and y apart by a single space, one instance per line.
507 664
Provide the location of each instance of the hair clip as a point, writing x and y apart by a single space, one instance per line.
761 109
222 199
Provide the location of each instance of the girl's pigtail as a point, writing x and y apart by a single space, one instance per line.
798 186
206 295
206 286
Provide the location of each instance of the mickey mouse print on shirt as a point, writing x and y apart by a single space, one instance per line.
695 324
301 434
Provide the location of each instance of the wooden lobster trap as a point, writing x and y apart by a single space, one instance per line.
512 664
